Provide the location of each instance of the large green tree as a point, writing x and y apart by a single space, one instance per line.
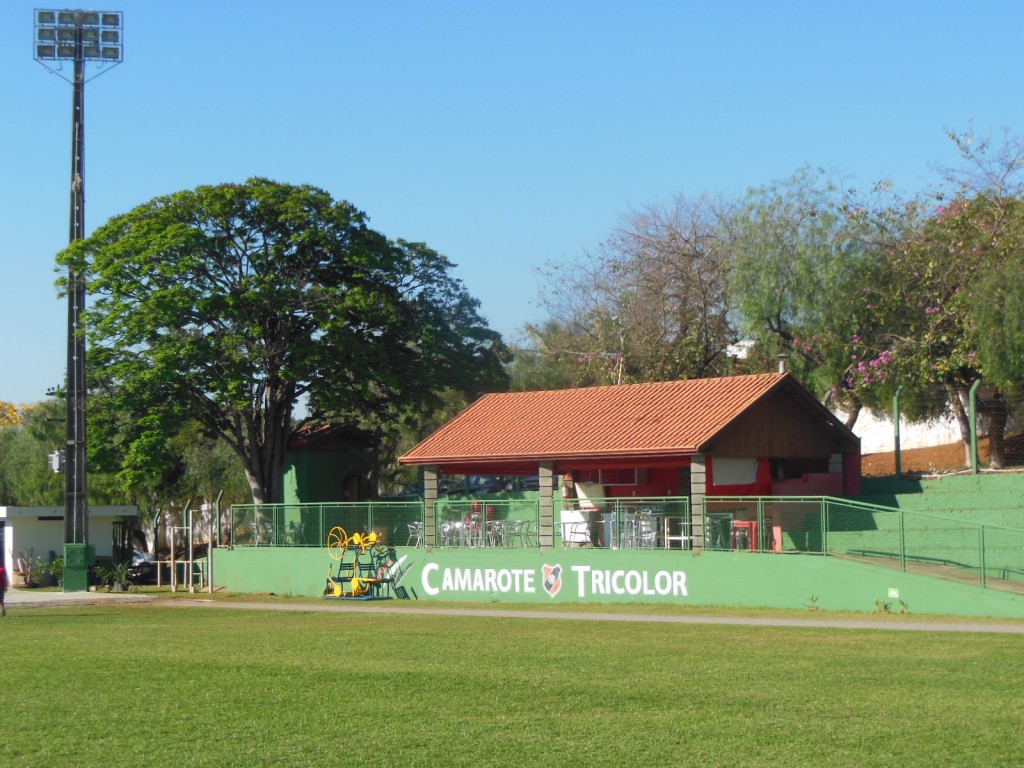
233 304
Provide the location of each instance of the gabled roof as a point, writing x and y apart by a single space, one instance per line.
327 435
656 419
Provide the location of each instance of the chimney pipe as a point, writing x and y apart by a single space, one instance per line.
783 363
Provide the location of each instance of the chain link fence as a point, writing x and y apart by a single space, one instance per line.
936 545
307 525
486 523
939 445
624 523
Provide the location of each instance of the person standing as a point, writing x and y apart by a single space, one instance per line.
3 590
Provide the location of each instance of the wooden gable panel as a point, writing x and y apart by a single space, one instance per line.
780 425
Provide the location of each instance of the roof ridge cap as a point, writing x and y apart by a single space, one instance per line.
666 382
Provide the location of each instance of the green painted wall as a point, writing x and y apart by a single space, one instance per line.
975 521
316 475
991 499
724 578
616 576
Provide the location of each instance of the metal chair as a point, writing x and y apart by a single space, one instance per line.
576 533
267 532
452 533
415 534
296 534
516 533
629 538
496 532
529 537
683 536
473 532
508 533
646 530
581 534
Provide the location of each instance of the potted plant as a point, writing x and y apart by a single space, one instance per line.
114 576
101 573
57 570
119 575
42 574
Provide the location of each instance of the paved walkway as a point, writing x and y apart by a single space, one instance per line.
37 598
31 598
897 624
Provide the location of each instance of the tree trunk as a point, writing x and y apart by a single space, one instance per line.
262 444
997 417
259 494
954 392
855 409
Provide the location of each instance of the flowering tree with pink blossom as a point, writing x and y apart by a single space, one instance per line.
953 304
866 294
799 282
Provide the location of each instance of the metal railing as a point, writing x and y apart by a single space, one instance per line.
307 525
938 545
486 523
661 522
608 523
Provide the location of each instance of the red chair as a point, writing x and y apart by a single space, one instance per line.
744 534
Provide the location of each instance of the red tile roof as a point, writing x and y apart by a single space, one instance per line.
655 419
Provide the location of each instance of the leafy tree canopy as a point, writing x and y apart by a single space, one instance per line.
25 476
231 304
649 305
801 269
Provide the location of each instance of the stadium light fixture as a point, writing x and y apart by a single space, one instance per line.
95 37
69 35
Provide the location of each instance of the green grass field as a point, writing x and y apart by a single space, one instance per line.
142 685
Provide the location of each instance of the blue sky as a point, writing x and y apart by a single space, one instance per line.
503 134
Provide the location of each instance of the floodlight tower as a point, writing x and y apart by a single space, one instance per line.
80 37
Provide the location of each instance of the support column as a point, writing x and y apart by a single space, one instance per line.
429 498
546 524
698 490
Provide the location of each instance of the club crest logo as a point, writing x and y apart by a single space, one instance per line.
552 579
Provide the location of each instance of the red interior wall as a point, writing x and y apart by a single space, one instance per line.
810 484
661 481
851 474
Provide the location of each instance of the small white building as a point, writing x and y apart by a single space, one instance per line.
35 532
